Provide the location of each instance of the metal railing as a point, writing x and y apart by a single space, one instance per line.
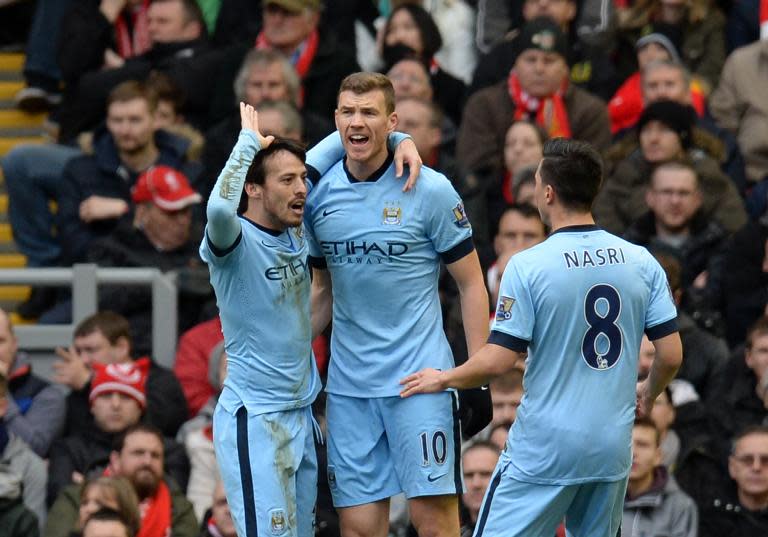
84 280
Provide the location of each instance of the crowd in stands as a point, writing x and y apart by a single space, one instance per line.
142 98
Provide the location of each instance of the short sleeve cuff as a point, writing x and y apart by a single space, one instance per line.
459 251
508 342
661 330
317 262
221 252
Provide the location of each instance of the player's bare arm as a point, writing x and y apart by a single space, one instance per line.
669 356
489 362
473 299
322 300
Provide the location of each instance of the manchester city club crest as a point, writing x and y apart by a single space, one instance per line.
504 310
392 216
277 521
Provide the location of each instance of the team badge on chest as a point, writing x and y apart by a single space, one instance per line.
277 522
392 215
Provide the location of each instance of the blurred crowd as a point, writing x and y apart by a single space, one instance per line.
142 100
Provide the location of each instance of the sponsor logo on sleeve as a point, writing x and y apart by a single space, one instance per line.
504 309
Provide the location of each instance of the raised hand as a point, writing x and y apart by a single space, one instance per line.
249 119
71 370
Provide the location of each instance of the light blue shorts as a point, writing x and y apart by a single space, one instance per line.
268 466
380 447
513 508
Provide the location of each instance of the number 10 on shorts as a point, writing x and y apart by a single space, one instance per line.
434 447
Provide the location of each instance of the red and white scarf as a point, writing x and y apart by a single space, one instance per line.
763 19
135 42
549 112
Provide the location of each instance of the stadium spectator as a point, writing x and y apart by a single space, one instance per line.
663 416
590 64
740 107
739 398
627 104
654 504
665 132
741 507
118 400
138 456
22 473
676 225
179 48
35 408
105 338
115 493
538 89
506 393
745 280
96 188
107 523
700 24
162 234
410 31
196 435
197 347
520 227
478 462
16 520
498 436
219 523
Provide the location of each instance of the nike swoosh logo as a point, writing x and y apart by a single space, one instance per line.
270 245
326 212
432 478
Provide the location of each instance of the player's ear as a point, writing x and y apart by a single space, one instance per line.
253 190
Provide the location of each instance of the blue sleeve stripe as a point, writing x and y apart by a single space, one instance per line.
509 342
661 330
317 262
221 252
313 175
459 251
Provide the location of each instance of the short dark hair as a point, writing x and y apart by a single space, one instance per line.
363 82
105 514
671 267
140 427
526 210
431 40
759 328
748 431
257 172
646 421
574 169
111 324
166 89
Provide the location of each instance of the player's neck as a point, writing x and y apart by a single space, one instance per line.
560 218
262 219
361 170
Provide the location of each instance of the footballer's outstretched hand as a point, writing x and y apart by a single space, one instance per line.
425 381
249 119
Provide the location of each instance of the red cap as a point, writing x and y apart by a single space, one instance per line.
167 188
129 378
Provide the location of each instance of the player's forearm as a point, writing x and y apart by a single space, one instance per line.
474 315
669 356
223 225
489 362
322 302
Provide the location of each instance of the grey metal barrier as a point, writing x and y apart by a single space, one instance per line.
85 279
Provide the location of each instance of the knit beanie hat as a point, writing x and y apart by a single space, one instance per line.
129 378
678 117
542 33
666 35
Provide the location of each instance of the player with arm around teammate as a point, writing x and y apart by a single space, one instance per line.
263 425
376 252
576 305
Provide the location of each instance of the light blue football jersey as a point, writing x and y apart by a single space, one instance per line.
383 248
580 302
262 285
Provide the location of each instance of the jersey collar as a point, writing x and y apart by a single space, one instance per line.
576 229
268 231
375 176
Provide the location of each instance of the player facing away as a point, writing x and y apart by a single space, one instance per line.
578 305
377 254
263 426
